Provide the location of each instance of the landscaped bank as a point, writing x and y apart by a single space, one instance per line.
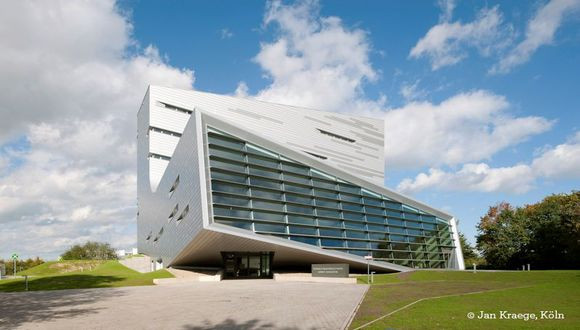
80 274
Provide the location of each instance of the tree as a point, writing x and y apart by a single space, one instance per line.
20 264
467 250
90 251
545 235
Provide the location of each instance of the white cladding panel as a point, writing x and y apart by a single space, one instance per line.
156 170
162 144
353 144
168 119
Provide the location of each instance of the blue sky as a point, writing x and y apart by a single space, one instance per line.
480 99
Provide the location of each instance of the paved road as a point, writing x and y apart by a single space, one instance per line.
242 304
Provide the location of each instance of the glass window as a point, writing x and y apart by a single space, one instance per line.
263 172
259 215
352 207
394 214
229 200
297 189
353 216
376 227
411 216
260 151
374 210
328 213
239 224
418 240
327 203
413 232
331 242
229 188
231 155
225 142
265 183
357 244
228 177
307 240
429 226
266 194
393 205
325 193
370 193
322 175
269 227
300 219
354 225
428 218
372 201
381 254
298 199
323 184
375 219
302 230
296 178
400 246
267 205
397 230
350 198
330 223
378 236
330 232
398 238
263 161
349 188
295 168
230 212
356 234
227 165
359 252
395 222
401 255
300 209
413 224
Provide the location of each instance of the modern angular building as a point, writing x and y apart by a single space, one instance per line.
252 187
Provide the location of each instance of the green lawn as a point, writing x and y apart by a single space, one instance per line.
514 292
58 275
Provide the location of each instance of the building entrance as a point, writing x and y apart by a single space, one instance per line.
244 265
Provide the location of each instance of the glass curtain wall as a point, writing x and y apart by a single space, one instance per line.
265 192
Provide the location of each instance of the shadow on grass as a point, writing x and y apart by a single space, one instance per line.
22 307
230 324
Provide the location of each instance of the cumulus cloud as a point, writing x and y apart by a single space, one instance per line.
562 161
72 81
467 127
315 61
540 31
447 42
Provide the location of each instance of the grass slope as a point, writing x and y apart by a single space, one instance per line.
515 292
80 275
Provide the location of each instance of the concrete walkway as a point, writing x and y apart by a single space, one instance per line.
241 304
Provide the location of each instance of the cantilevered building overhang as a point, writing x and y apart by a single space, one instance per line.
219 174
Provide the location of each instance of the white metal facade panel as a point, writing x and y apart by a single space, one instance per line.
294 127
162 144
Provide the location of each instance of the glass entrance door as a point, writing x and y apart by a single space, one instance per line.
241 265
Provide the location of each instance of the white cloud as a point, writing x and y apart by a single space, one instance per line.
447 7
562 161
72 81
225 33
540 31
467 127
446 43
473 177
412 91
315 61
